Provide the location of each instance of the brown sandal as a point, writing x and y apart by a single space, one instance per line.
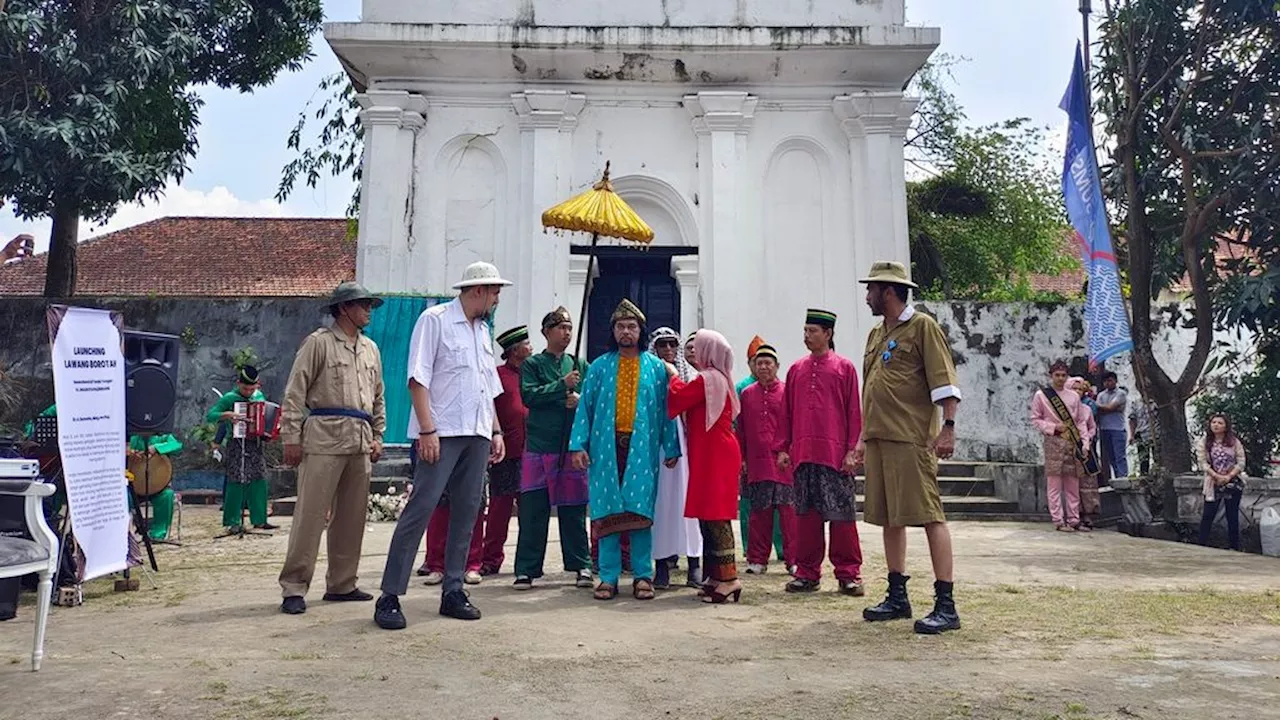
605 591
642 589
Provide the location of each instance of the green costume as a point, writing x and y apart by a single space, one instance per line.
547 480
245 467
161 503
744 506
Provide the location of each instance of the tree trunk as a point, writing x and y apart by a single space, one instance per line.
1172 450
60 277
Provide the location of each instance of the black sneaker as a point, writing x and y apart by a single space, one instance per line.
387 613
456 604
356 595
293 605
267 526
800 585
523 582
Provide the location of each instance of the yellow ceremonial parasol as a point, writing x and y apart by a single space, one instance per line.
599 211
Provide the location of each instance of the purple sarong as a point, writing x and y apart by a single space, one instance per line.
564 485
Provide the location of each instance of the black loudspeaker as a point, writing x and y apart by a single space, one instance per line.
150 381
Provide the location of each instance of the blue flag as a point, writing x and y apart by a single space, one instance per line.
1105 318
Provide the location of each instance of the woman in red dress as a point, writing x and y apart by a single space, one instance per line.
710 405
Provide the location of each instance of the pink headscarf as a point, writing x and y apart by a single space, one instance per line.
715 362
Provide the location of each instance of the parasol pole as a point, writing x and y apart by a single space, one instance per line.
577 344
586 294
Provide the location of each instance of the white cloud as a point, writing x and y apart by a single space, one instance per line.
176 200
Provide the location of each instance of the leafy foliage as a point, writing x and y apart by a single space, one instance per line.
1190 91
989 215
97 99
1253 403
338 145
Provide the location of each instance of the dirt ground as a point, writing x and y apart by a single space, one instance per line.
1055 626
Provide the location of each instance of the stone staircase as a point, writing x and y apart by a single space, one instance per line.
969 494
969 490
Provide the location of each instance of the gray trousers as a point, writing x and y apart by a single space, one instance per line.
460 468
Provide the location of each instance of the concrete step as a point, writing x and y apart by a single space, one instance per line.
391 467
957 469
966 487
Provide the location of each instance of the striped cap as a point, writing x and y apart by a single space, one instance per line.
514 336
768 351
821 318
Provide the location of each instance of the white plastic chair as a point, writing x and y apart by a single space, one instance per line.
20 557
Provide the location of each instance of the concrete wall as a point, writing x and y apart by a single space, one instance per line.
1002 354
213 331
652 13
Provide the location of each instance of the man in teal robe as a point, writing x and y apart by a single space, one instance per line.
621 433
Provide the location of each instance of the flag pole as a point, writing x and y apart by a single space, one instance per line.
1086 9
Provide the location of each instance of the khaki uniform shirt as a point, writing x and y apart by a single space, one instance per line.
333 370
906 371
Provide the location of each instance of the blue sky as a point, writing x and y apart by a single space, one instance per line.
1018 55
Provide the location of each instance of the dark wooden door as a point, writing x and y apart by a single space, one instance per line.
641 277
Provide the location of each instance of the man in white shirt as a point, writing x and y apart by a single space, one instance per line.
453 380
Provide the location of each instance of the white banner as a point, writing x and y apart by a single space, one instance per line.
88 386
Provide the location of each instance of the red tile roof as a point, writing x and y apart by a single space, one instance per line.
1068 284
204 257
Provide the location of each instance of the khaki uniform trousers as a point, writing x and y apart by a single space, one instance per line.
336 488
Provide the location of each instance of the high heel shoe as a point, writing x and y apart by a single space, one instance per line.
713 596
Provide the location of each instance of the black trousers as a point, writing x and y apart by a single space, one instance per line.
1231 500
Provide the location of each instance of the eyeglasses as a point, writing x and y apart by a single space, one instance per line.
887 355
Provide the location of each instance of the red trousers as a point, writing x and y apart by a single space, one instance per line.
497 520
760 534
438 533
846 550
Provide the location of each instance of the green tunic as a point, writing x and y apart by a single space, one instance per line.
543 392
227 403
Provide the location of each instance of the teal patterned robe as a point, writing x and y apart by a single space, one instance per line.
653 439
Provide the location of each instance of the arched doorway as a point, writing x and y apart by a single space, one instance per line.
660 279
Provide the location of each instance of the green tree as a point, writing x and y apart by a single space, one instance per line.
338 144
1190 92
98 104
989 214
1252 401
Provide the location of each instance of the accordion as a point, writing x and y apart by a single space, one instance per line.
262 420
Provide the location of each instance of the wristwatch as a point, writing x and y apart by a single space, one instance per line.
949 423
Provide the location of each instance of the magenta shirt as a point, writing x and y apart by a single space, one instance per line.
823 413
759 423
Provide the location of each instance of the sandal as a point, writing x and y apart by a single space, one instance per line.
642 589
605 591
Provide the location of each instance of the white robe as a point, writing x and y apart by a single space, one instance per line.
673 533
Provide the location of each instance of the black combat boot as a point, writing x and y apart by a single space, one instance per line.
896 605
944 616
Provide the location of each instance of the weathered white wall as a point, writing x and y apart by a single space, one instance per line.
1003 352
657 13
